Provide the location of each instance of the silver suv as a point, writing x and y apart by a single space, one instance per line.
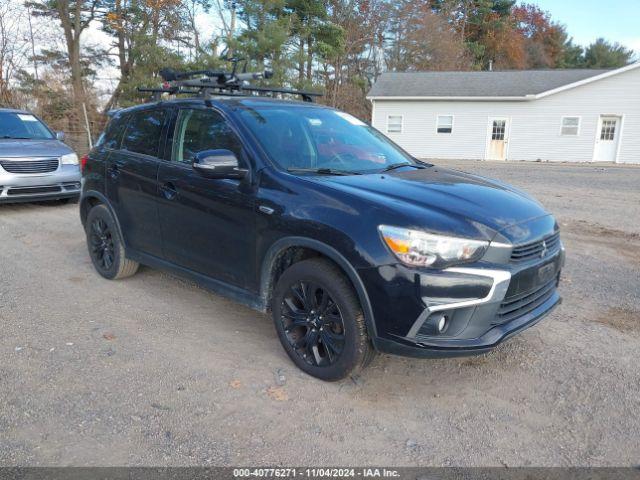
34 163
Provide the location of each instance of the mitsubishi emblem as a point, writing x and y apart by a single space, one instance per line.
544 251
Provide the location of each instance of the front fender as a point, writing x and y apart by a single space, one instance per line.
282 244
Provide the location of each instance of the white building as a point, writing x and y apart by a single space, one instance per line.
550 115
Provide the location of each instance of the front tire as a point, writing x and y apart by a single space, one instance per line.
105 248
319 320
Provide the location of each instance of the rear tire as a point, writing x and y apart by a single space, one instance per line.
105 248
319 320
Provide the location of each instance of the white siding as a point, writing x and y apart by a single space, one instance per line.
535 125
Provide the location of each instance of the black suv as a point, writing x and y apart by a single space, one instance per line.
354 246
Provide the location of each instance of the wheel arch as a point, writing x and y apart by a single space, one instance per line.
270 264
93 198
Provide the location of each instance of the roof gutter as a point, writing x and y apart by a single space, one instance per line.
525 98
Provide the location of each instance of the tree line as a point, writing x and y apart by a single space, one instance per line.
51 62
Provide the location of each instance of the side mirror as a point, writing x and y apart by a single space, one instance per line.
60 136
218 164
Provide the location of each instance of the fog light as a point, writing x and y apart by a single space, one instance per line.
437 324
442 324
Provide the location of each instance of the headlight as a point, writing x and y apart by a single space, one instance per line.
421 249
69 159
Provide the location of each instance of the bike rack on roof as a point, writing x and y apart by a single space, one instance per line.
208 83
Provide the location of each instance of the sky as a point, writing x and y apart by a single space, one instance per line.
586 20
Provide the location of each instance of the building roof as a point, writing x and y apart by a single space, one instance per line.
510 84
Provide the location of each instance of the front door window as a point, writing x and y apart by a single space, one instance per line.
201 130
499 127
608 130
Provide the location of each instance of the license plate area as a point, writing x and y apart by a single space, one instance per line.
534 276
546 273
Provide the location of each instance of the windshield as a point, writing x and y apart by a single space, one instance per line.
302 137
22 126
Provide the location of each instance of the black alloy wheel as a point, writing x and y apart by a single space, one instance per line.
319 320
105 247
101 239
313 323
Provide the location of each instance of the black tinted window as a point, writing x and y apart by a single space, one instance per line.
113 133
297 136
143 132
200 130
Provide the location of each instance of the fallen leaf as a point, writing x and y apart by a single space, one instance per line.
235 384
277 393
108 336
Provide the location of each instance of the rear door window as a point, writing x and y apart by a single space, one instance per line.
143 132
113 133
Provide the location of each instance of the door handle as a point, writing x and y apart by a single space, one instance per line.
265 209
114 171
169 191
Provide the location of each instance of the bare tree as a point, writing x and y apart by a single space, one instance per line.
74 17
13 46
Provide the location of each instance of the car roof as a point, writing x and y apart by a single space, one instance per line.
13 110
223 101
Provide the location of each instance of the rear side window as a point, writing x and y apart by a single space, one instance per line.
113 133
143 132
200 130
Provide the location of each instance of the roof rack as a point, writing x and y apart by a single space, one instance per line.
207 83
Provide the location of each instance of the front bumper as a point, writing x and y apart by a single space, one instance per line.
476 346
482 305
62 183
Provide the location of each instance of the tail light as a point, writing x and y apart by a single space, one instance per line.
83 162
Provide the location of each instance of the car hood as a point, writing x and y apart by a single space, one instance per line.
32 148
449 194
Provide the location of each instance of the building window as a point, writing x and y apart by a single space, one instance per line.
394 124
445 123
608 130
570 126
499 130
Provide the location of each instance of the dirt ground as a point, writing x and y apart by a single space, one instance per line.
154 370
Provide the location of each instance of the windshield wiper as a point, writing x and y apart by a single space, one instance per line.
323 171
398 165
9 137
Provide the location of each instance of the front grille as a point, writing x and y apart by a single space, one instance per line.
534 250
36 165
523 303
33 190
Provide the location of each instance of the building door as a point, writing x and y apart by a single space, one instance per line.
498 138
608 135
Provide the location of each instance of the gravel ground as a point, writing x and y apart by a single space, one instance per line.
153 370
